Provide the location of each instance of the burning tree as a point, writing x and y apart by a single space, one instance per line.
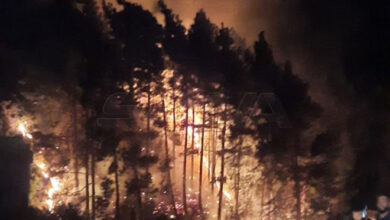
140 99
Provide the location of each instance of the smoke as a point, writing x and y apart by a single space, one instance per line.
312 35
298 31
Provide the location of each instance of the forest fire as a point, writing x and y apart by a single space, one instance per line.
128 114
54 182
55 188
199 138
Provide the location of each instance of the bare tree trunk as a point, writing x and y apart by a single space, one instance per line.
93 180
192 144
214 158
87 155
148 119
75 140
211 139
167 160
117 198
297 189
148 149
185 161
222 177
201 157
237 180
87 183
174 110
174 132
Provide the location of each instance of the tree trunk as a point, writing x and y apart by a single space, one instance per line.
148 120
75 140
174 132
133 215
148 149
192 144
297 189
222 177
214 158
201 157
117 198
174 110
211 139
167 160
93 181
87 155
237 182
87 183
273 214
185 160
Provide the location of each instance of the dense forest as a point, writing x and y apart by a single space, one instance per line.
127 118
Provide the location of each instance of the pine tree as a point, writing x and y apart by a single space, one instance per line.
302 111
